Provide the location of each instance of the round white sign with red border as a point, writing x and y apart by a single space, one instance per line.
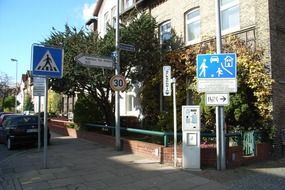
118 83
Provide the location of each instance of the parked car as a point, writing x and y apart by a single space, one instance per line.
21 130
5 115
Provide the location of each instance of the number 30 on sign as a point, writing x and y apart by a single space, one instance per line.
118 83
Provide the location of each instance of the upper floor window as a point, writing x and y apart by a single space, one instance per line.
113 17
106 21
230 19
192 19
165 31
127 4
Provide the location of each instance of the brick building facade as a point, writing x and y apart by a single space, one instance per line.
259 22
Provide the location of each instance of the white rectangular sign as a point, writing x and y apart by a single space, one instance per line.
92 61
39 86
166 80
217 99
217 85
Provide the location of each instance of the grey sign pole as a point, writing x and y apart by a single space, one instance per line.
117 72
39 124
45 124
174 121
220 140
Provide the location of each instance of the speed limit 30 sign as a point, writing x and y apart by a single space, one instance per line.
118 83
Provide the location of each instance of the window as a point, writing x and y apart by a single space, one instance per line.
106 21
165 31
230 19
192 26
130 101
113 17
128 3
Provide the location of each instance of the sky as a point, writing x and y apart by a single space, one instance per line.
25 22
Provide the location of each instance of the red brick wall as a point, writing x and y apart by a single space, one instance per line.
138 147
163 154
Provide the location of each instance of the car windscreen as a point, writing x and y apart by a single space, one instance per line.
21 121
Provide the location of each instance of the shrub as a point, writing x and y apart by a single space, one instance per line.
73 126
87 111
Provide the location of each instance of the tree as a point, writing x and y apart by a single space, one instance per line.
5 90
250 107
9 104
91 82
139 66
54 102
28 104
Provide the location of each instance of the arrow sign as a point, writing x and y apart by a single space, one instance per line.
217 99
127 47
92 61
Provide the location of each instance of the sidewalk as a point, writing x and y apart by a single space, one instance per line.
75 164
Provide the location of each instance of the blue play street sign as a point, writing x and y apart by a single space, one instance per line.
217 66
47 61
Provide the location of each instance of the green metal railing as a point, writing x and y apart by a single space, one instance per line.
249 139
165 135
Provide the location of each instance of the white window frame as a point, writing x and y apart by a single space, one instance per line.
161 32
130 102
106 21
113 17
225 7
127 4
192 20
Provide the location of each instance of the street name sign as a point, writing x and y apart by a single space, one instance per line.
217 73
92 61
47 61
39 86
167 80
118 83
217 99
127 47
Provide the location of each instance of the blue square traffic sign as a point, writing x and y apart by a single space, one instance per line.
47 61
216 66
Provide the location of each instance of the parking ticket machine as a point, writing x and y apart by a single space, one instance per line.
191 137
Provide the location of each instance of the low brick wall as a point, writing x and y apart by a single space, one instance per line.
149 150
163 154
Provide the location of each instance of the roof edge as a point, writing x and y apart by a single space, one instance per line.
97 7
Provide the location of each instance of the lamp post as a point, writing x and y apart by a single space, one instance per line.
15 60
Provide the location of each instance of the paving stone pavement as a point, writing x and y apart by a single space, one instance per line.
75 164
268 175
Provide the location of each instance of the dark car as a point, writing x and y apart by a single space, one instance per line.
5 115
21 130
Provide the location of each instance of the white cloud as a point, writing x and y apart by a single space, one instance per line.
88 11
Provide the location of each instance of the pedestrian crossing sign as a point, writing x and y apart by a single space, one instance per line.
47 61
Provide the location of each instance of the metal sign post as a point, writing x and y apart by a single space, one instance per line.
39 124
174 121
220 140
167 92
117 72
45 124
47 62
39 90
